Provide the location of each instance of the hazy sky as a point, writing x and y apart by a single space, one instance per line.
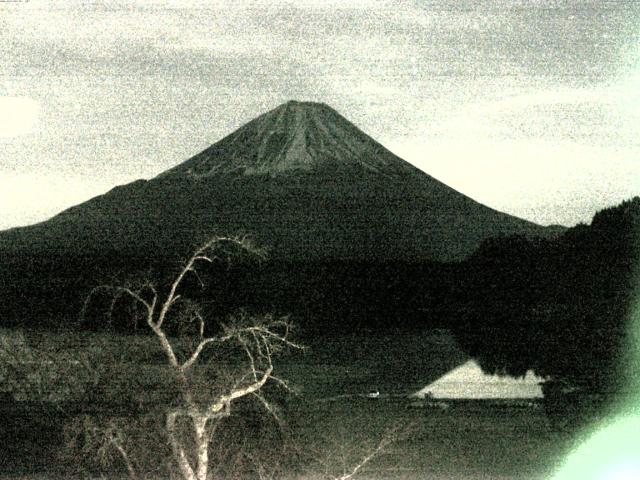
531 107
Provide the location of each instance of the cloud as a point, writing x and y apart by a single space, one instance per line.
18 115
19 205
543 181
131 88
605 115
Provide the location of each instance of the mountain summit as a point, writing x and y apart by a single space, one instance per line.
294 137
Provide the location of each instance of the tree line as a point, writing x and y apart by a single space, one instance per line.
560 307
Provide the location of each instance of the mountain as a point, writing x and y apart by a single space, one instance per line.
301 180
355 234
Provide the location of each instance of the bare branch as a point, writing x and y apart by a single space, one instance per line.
282 383
165 344
199 255
269 408
264 339
267 332
117 293
384 442
116 442
200 319
254 387
205 258
258 342
135 296
252 361
197 275
394 434
196 353
225 400
112 306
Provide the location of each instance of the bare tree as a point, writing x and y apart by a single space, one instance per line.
192 417
205 372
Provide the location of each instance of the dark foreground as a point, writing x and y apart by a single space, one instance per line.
332 422
467 440
474 439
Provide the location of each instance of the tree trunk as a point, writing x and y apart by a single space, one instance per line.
178 452
202 446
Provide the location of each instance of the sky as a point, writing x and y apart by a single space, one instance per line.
531 107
